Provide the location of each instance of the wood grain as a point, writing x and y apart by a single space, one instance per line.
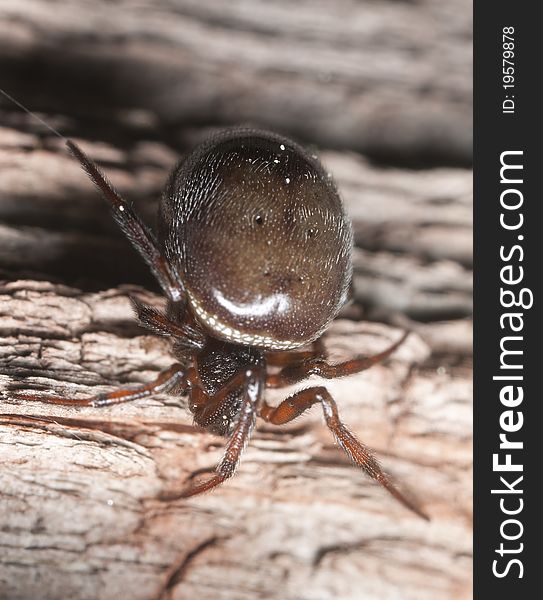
399 70
381 91
80 486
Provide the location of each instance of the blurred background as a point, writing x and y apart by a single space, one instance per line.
381 90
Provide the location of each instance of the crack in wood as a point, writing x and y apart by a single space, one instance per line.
179 569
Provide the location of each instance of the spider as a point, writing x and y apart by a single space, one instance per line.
254 256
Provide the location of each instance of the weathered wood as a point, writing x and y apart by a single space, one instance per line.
137 85
80 516
389 78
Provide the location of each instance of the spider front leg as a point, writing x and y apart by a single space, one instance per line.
319 366
359 454
132 226
175 325
252 393
176 375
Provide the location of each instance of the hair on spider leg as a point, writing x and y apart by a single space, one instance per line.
165 324
226 320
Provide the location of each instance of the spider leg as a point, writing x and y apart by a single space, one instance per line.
289 357
359 454
318 366
132 226
207 407
168 325
166 380
252 393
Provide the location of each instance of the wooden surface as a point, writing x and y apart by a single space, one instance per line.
137 84
399 70
80 515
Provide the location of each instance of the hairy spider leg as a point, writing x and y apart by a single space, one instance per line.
207 407
318 366
290 357
170 325
359 454
132 226
176 375
253 384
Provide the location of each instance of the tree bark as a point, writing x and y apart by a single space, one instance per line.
136 86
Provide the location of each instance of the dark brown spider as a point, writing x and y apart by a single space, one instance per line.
254 256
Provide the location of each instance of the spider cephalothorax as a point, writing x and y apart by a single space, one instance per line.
254 256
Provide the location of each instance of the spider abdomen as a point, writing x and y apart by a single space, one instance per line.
256 231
